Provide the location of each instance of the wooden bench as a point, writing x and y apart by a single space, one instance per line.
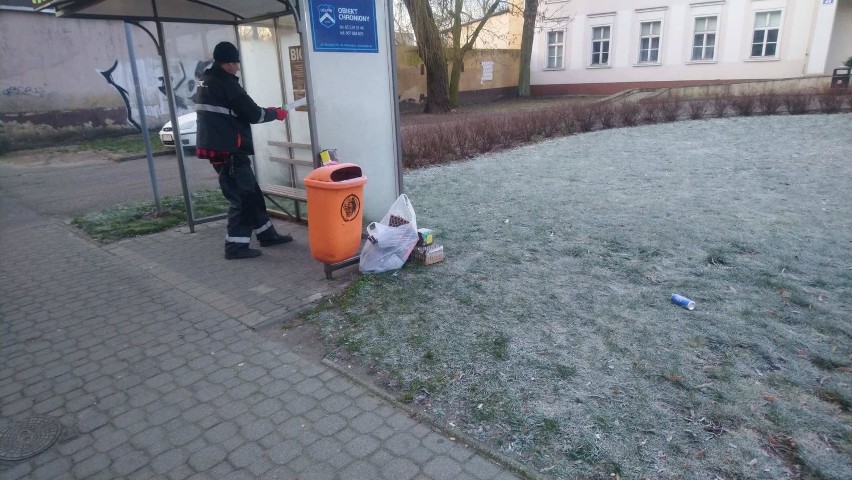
292 192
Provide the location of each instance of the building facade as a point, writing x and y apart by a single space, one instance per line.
608 46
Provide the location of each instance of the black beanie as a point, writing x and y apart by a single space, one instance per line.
226 52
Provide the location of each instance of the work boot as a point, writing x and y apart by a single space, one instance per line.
244 252
274 239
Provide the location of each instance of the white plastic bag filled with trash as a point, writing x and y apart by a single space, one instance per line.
390 241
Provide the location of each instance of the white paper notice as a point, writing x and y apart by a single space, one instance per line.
487 71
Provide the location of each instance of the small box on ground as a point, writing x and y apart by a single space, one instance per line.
425 237
429 254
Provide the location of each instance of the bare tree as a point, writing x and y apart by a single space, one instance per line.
530 14
431 50
459 47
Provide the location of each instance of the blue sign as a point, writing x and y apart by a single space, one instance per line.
344 25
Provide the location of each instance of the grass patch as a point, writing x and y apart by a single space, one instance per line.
125 144
132 220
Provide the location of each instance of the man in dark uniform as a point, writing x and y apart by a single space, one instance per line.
225 114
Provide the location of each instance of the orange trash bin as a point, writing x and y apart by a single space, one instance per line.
335 212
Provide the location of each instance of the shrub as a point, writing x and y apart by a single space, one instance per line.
796 101
628 113
651 111
606 115
769 102
696 109
830 100
744 104
585 117
670 109
720 104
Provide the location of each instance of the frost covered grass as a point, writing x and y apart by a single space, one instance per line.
548 333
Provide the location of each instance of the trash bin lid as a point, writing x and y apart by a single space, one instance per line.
340 175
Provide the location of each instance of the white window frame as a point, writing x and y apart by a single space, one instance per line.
766 29
704 44
650 37
604 40
561 51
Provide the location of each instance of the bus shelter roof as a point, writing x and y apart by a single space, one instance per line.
227 12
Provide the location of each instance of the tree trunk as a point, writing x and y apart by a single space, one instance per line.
530 14
431 51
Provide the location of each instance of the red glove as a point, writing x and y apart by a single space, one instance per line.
280 113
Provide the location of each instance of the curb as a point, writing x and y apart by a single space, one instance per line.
139 156
511 464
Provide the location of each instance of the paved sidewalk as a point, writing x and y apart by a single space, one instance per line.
144 352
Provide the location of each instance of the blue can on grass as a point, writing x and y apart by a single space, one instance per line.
683 301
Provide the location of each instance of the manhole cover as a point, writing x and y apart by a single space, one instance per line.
28 437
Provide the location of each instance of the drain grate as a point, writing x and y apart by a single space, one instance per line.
28 437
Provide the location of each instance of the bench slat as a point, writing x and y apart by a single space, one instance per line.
278 143
286 192
292 161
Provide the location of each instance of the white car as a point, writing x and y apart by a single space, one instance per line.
187 131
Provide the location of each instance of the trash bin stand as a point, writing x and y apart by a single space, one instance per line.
330 267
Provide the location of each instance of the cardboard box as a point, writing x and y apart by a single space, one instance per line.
429 254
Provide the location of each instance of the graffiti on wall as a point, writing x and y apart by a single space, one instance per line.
23 91
107 74
184 89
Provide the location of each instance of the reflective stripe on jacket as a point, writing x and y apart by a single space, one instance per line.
225 113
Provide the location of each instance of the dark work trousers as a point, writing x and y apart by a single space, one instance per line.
247 213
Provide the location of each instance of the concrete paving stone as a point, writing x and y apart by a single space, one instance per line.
437 443
243 390
251 373
401 443
330 425
460 452
98 384
420 431
48 405
400 469
80 402
321 393
284 452
204 391
128 418
203 362
337 384
66 385
230 360
222 470
257 429
351 412
400 421
91 465
159 380
139 396
207 458
159 413
325 449
221 432
144 473
151 439
308 386
315 415
421 455
245 455
267 407
221 375
127 381
183 435
74 445
366 422
300 405
362 446
176 395
335 403
90 420
359 470
17 471
366 402
185 377
197 413
129 463
481 468
320 471
259 468
385 410
442 467
168 461
300 464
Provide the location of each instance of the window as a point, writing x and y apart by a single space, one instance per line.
704 39
767 25
555 46
649 42
600 45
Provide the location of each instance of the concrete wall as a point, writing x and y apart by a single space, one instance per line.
810 32
474 84
64 77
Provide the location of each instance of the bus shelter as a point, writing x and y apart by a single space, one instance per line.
338 55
